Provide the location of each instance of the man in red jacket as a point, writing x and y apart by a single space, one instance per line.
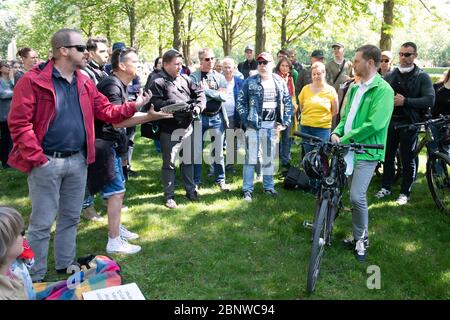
52 127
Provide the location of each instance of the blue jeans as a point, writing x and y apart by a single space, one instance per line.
253 139
117 185
322 133
217 130
285 146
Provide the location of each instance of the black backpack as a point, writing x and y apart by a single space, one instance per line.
296 178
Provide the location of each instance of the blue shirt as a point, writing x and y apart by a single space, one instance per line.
66 132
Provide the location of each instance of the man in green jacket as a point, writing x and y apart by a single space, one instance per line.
366 119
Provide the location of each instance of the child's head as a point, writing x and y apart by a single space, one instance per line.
11 229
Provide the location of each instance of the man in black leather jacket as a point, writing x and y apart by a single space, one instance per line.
414 94
168 87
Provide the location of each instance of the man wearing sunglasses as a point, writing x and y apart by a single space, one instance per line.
52 127
414 94
264 106
214 118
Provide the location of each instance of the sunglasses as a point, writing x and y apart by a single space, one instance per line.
79 47
209 59
385 60
405 54
262 62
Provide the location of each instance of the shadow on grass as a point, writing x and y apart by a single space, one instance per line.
224 248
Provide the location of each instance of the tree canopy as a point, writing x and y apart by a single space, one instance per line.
228 26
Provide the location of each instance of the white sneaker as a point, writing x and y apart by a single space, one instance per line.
120 245
382 193
360 250
402 199
127 234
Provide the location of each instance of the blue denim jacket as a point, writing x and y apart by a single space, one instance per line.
250 102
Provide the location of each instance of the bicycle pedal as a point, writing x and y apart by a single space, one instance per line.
308 224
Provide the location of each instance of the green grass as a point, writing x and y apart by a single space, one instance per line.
223 248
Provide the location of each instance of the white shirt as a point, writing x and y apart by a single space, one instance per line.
269 104
362 88
229 103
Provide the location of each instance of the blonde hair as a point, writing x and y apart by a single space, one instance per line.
11 226
318 65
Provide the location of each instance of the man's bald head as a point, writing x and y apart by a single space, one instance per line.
65 37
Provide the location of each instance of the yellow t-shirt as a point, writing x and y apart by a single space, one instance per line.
316 107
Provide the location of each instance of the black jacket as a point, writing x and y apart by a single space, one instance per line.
420 93
95 72
167 90
246 66
117 94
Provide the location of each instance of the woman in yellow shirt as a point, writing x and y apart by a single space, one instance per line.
318 104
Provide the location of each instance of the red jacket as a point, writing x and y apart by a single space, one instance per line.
33 109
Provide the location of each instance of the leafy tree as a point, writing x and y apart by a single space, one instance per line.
230 20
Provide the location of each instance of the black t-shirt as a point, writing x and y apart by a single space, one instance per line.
212 106
442 102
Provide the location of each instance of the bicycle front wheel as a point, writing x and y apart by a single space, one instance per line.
437 174
318 245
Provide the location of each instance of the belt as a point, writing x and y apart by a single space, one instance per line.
211 114
56 154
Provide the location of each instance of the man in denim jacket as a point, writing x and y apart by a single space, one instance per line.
264 106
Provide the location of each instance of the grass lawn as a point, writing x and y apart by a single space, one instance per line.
224 248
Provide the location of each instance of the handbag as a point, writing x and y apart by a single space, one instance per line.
151 130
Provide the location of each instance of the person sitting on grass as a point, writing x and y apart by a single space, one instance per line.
14 285
16 257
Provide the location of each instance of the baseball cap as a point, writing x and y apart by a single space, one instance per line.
249 47
265 56
337 44
317 54
118 45
387 54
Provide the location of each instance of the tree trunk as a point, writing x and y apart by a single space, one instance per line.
260 39
386 28
177 18
160 41
283 26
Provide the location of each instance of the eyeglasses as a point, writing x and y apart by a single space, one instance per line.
405 54
262 62
79 47
385 60
209 59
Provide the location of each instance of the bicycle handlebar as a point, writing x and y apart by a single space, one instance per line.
307 136
441 119
317 140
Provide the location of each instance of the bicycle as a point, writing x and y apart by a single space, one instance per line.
438 161
329 167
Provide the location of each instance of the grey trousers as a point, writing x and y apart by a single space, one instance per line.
359 182
56 192
170 152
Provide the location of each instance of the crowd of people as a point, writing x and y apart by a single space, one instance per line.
69 123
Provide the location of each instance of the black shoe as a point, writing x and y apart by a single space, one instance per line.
351 243
192 196
73 268
271 193
132 173
37 281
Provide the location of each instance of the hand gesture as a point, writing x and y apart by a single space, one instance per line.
143 98
157 115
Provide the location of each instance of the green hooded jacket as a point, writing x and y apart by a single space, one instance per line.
372 118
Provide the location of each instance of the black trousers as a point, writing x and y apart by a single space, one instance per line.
5 142
405 141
